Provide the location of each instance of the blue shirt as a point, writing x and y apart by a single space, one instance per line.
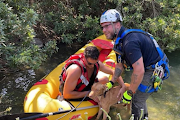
136 45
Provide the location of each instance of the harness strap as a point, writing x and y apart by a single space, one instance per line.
162 62
147 89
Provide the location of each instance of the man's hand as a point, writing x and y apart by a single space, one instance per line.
127 96
120 94
109 84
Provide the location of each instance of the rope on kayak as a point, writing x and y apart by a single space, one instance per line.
73 108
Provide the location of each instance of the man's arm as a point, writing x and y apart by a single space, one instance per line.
105 68
116 77
73 74
118 71
137 75
110 71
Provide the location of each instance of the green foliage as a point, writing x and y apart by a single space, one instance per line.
16 37
73 21
66 21
76 21
161 18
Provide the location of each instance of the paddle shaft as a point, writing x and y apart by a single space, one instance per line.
40 115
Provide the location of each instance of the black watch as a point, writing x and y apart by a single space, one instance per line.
130 93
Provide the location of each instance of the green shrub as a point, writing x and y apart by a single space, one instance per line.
16 38
161 18
55 21
73 21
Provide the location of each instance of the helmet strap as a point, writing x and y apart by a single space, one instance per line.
115 34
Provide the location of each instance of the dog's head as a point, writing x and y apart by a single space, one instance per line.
97 89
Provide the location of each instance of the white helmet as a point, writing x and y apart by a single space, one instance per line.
111 15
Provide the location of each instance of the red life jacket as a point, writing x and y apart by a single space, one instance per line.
84 83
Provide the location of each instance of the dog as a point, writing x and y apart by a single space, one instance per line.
105 98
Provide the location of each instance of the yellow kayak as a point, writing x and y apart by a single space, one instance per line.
42 97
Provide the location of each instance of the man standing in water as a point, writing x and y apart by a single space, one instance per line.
136 50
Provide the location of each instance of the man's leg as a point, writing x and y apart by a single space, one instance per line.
145 112
139 98
138 103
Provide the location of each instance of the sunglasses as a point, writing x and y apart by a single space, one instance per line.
90 63
106 26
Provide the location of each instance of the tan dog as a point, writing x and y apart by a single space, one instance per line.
105 99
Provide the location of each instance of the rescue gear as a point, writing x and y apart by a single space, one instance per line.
83 81
126 98
157 82
157 77
161 68
111 15
109 84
